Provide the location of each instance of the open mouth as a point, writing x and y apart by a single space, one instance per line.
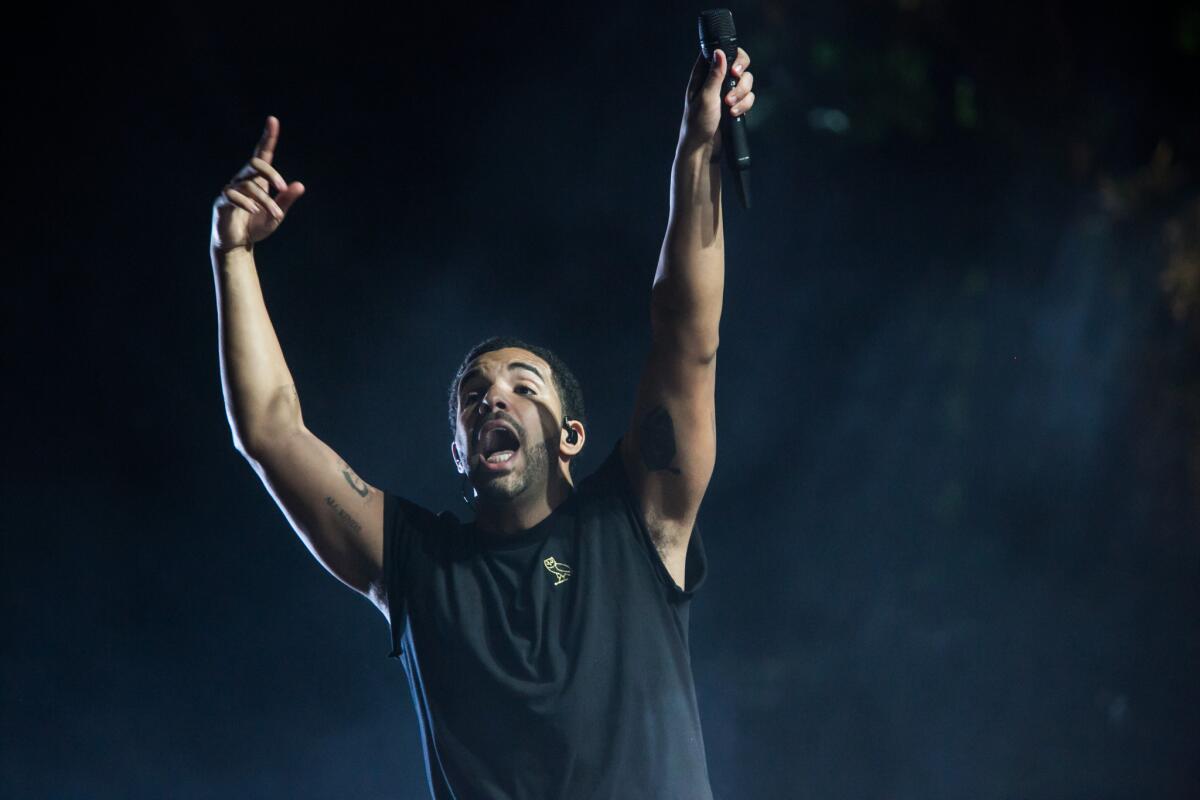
498 445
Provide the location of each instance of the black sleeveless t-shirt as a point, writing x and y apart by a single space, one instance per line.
549 663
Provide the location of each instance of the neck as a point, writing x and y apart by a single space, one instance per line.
523 512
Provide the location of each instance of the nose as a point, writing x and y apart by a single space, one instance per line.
494 398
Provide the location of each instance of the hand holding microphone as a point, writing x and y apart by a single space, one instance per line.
719 97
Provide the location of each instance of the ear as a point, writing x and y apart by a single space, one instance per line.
458 461
567 449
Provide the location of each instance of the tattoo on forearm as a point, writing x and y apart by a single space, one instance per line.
356 483
342 515
657 441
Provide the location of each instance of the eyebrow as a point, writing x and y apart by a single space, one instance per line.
474 371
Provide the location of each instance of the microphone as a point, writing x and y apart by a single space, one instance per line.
717 32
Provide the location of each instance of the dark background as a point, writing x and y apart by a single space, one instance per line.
954 528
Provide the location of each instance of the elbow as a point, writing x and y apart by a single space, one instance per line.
259 426
241 445
242 434
704 356
693 336
254 441
260 450
699 348
251 446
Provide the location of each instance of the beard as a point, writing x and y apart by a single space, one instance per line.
508 487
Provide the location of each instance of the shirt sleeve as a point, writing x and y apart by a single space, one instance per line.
404 525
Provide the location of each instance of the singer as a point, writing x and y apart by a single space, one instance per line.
545 640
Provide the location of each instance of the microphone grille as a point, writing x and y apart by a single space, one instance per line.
716 24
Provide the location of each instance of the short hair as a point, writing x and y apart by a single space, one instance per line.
565 382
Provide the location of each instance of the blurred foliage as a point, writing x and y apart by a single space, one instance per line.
1105 97
1181 278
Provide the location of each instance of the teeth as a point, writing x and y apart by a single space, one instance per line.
501 457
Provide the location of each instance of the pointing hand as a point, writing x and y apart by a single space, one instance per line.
245 212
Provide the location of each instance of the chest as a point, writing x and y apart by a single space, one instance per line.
535 614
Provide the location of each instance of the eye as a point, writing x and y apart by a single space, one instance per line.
469 397
528 389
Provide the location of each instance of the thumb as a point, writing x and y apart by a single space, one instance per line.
289 196
717 72
706 74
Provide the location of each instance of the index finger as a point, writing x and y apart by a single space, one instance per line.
266 145
741 62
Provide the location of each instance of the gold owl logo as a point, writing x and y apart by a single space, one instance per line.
560 571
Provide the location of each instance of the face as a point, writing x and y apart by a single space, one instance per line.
509 423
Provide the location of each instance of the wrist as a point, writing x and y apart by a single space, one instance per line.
696 167
696 152
230 251
237 258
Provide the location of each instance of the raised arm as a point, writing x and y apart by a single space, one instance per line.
671 445
337 515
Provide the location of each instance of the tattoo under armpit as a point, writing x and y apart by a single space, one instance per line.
356 483
656 440
342 515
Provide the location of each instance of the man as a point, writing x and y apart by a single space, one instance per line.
545 641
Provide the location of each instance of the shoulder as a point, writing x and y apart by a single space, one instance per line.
608 493
412 533
401 512
608 480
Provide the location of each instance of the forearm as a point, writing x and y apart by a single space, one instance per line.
260 395
690 280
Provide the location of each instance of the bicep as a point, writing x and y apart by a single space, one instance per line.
337 515
670 446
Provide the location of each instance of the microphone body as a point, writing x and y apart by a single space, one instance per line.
717 33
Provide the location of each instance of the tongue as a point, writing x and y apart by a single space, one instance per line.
497 440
